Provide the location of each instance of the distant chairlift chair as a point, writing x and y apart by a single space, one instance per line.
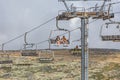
5 57
46 56
27 51
115 38
76 50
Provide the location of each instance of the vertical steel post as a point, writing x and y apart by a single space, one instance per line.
49 44
2 47
84 47
86 50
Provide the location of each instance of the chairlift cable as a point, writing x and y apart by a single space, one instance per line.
65 33
14 39
30 30
41 25
116 12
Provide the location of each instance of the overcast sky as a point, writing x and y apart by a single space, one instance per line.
19 16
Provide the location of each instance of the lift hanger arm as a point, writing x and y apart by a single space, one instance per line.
25 37
62 29
66 5
102 7
3 47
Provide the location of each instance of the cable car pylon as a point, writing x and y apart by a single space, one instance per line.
84 16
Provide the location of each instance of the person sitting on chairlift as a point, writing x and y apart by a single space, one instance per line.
75 50
58 40
64 40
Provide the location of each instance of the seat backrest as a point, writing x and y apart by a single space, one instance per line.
111 37
6 62
29 53
52 41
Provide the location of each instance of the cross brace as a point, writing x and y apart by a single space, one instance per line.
94 15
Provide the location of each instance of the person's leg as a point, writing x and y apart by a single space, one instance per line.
58 43
65 43
61 41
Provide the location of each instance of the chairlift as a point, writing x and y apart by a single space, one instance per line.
53 40
113 37
57 40
46 56
5 61
76 51
27 50
5 57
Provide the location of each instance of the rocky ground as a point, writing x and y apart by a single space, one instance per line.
64 67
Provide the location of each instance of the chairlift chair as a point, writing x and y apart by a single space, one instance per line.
76 51
52 40
5 57
113 37
27 50
6 62
46 56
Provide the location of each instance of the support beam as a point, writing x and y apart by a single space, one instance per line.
84 47
85 15
94 15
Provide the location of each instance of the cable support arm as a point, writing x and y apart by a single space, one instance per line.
61 29
66 5
104 5
25 36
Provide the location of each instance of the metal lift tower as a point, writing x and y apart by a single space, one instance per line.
84 16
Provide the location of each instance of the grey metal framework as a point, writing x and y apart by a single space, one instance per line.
84 15
46 56
25 50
